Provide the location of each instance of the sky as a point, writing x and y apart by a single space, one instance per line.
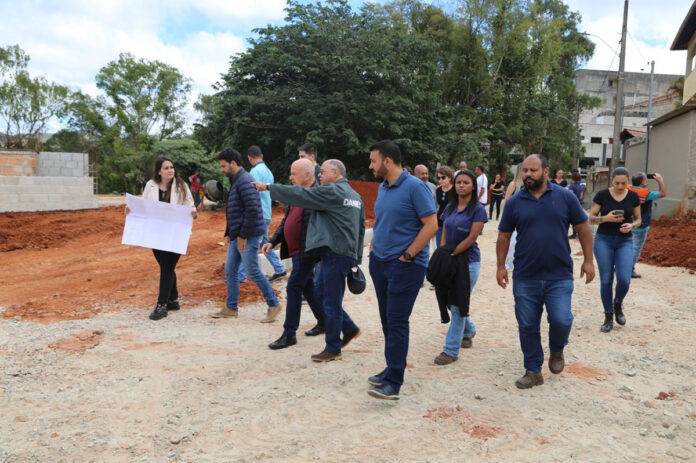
69 41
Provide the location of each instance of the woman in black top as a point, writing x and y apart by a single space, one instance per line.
559 180
497 193
445 174
617 211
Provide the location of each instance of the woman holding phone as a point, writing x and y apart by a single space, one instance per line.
166 186
617 211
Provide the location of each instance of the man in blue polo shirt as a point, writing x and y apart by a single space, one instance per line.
405 221
543 274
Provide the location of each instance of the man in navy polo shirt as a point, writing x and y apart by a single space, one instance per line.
405 221
543 274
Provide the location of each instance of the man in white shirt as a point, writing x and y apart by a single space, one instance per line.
482 183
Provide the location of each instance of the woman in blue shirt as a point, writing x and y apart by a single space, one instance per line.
463 220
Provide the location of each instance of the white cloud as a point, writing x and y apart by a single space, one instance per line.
652 27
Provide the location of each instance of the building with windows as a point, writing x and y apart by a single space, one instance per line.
597 125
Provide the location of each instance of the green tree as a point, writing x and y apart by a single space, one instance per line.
27 103
339 78
145 98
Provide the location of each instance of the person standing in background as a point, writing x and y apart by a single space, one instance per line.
482 185
195 183
497 193
261 173
309 151
445 174
639 185
559 180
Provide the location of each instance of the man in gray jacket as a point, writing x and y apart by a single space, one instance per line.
335 232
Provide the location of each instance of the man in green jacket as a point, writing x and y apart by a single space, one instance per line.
335 232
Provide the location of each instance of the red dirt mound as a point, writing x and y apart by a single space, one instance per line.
69 265
671 242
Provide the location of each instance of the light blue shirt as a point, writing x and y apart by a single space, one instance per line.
263 174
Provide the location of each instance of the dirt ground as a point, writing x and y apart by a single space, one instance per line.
86 376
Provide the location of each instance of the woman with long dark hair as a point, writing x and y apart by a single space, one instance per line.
168 187
444 179
463 220
617 211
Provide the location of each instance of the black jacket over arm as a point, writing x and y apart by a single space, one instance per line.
279 237
450 275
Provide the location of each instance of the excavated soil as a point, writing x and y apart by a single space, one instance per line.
71 264
671 242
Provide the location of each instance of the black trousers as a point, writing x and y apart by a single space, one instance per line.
495 201
167 263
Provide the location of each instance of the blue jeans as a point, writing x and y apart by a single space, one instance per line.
396 285
614 254
530 297
461 327
638 242
250 257
300 282
334 270
272 257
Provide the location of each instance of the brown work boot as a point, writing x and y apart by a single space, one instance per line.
272 313
445 359
226 312
326 356
467 343
556 362
530 379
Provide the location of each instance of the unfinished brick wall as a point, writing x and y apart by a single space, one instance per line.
18 163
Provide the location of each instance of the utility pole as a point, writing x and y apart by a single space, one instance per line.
647 138
616 145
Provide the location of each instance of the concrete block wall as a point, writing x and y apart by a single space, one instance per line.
63 164
25 194
18 163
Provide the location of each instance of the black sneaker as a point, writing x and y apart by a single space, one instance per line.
316 330
634 274
384 391
159 312
376 380
173 305
275 276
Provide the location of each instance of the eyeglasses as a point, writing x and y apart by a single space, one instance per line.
441 177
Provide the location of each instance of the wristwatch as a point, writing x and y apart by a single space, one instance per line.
407 256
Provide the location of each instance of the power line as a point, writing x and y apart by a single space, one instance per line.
637 48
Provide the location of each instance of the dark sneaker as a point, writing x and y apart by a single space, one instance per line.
159 312
316 330
634 274
173 305
444 359
467 343
556 362
530 379
283 342
275 276
349 337
326 356
384 391
376 380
